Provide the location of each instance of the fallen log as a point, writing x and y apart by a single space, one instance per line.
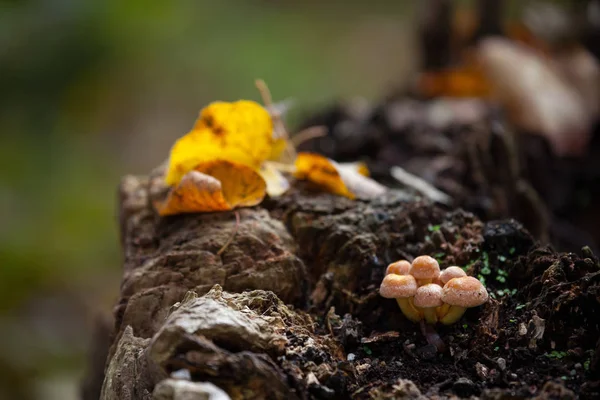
290 309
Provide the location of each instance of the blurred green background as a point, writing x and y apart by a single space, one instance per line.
93 90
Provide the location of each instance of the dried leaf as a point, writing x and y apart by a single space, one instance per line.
420 185
536 96
277 183
360 185
217 185
358 167
333 178
322 171
240 132
582 70
467 81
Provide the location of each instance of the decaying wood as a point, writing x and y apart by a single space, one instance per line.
290 309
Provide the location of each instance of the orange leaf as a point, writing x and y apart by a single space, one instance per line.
344 180
467 81
320 170
214 186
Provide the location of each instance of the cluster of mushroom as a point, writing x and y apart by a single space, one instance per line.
424 292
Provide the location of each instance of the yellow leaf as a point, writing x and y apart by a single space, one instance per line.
342 179
240 132
279 146
321 170
277 184
216 185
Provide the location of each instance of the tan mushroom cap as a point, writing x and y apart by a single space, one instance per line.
401 267
429 295
398 286
425 267
464 292
450 273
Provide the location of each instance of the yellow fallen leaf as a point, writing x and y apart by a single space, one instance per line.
279 147
320 170
216 185
343 180
240 132
277 184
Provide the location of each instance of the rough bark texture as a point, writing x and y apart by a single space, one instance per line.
290 309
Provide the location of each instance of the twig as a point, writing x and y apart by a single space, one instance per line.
308 134
235 230
279 127
267 99
420 185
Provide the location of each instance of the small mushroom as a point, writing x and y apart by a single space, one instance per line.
402 288
428 297
425 269
460 294
445 276
450 273
401 267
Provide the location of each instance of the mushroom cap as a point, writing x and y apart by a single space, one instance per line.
398 286
429 295
401 267
425 267
464 292
450 273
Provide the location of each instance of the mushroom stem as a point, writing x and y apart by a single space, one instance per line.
432 337
430 315
408 309
453 315
422 282
442 310
411 301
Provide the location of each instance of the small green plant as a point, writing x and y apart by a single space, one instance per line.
433 228
520 306
556 354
